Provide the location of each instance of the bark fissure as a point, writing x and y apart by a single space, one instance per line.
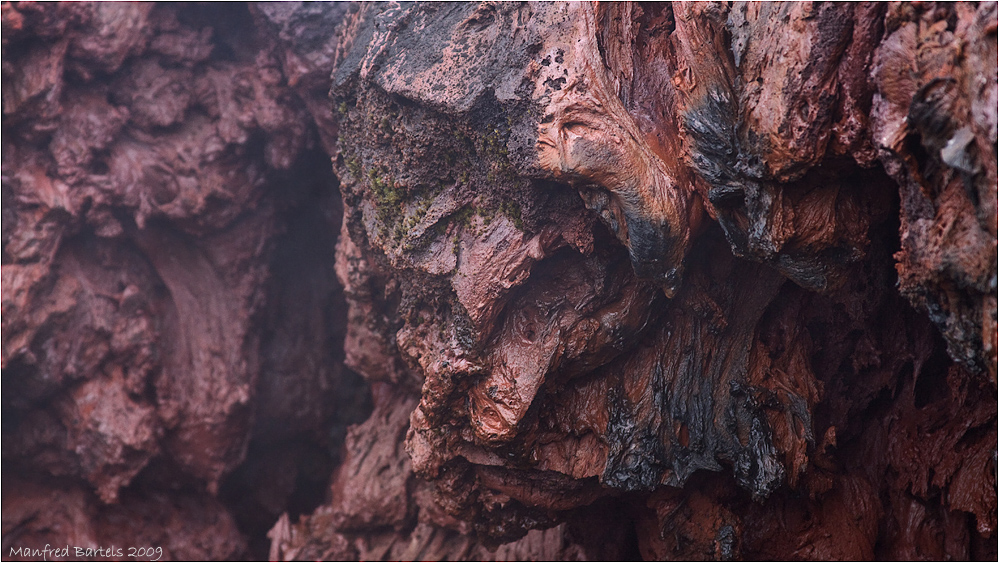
501 281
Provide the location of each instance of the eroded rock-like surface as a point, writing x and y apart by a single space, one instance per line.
176 525
644 257
670 281
935 124
169 298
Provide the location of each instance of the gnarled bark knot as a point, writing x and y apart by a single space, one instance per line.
588 138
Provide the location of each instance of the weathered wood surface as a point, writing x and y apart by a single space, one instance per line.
700 281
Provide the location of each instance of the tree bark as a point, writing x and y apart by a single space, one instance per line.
660 281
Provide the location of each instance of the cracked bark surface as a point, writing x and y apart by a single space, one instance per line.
171 317
704 281
641 260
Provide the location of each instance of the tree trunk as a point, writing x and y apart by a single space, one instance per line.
660 281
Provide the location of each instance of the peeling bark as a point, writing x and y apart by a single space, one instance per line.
661 281
711 326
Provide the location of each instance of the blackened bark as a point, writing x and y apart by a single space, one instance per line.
706 281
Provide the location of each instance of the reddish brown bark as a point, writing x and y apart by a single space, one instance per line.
169 300
738 156
697 281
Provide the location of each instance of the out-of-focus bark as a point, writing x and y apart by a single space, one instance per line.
169 298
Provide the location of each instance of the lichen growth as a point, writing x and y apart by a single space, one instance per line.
354 167
464 216
511 209
388 195
385 126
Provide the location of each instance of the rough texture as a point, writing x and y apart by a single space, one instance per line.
661 281
186 526
934 119
169 300
643 258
